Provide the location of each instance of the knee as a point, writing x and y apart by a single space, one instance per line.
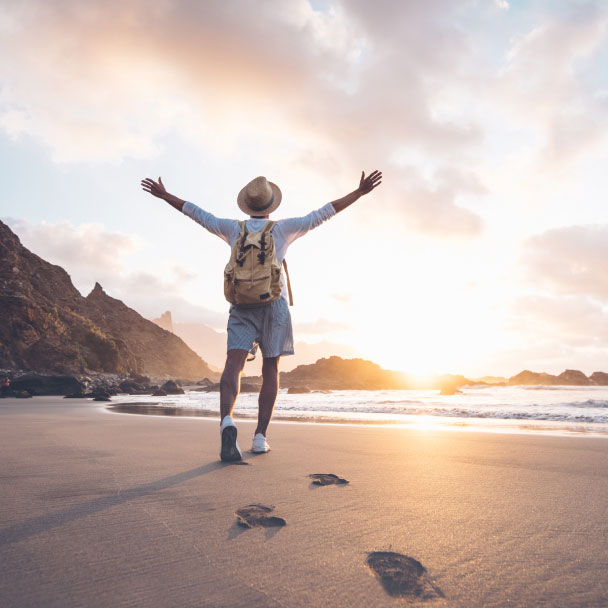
235 360
270 367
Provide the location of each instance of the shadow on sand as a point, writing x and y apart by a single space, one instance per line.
36 525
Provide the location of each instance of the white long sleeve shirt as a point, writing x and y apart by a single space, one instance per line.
284 232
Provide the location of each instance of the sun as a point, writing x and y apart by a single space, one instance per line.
432 341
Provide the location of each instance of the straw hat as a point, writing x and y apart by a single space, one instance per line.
259 197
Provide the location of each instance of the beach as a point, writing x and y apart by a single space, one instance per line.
100 508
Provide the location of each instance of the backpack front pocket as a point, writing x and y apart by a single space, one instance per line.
276 285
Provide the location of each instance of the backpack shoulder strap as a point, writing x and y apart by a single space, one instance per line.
269 226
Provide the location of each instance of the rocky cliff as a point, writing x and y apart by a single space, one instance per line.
47 326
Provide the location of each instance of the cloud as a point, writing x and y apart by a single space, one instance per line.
152 68
349 81
569 260
333 86
79 247
573 321
430 205
551 80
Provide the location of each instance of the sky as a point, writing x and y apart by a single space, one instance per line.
484 250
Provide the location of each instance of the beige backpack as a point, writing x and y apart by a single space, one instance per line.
252 276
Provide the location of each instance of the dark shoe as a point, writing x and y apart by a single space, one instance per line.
230 451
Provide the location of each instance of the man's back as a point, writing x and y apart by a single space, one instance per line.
284 232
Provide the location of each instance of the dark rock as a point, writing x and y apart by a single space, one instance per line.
600 378
159 393
205 382
20 394
297 390
133 388
145 380
100 394
79 395
171 388
37 384
246 387
212 388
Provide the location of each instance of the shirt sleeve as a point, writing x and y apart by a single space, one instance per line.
295 227
226 229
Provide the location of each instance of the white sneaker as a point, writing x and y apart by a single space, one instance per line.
260 445
230 451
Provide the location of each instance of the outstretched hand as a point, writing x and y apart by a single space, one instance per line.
154 188
367 184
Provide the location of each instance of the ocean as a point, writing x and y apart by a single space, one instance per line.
522 409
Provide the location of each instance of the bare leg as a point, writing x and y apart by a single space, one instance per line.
268 393
230 383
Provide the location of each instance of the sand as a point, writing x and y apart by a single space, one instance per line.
106 509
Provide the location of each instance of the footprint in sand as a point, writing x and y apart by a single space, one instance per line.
327 479
403 576
253 516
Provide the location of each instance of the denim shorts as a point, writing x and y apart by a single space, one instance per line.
268 327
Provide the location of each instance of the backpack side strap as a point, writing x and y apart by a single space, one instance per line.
288 283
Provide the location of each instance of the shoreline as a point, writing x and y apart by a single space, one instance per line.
417 422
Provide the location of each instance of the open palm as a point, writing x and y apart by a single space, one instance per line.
154 188
367 184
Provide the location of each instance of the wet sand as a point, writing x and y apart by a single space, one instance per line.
105 509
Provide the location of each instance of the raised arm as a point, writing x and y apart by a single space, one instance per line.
227 230
366 185
158 189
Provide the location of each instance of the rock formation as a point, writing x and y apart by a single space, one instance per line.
573 377
600 378
165 321
528 378
569 377
336 373
47 326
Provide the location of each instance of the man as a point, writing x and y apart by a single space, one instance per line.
267 326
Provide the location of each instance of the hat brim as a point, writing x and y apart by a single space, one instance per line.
245 208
